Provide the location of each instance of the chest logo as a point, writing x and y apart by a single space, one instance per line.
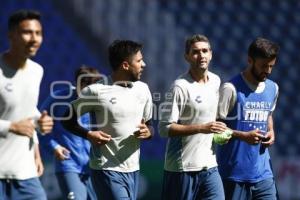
113 100
198 99
8 87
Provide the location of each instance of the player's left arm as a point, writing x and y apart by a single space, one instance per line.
145 131
45 123
145 127
270 135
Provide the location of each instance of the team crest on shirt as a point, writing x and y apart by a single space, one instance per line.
198 99
113 100
8 87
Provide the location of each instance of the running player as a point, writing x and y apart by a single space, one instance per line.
20 77
123 108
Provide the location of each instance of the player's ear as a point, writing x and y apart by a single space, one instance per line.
125 65
10 35
186 57
211 54
250 61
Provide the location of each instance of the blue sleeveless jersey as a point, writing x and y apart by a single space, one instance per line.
239 161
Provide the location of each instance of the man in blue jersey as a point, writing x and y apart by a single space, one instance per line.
71 152
123 109
246 105
188 119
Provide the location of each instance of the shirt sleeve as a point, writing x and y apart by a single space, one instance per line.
147 115
276 98
227 100
86 102
4 127
171 109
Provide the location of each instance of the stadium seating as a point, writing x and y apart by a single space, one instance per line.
162 27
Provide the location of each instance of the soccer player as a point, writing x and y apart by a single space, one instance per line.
71 152
188 120
246 104
20 77
123 108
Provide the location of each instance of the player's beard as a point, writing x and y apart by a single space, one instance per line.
256 75
134 77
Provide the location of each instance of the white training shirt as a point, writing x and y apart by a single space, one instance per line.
190 103
19 91
119 110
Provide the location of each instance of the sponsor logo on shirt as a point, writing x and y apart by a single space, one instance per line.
8 87
198 99
113 100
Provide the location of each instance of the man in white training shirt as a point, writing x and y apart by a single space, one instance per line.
188 120
20 77
123 109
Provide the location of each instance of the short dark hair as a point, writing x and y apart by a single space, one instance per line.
21 15
122 50
263 48
193 39
91 75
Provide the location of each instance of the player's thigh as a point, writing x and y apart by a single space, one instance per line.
28 189
71 185
236 190
211 186
179 185
114 185
3 185
264 190
90 190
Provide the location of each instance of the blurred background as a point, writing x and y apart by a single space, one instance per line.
78 32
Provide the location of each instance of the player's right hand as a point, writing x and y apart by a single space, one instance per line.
98 137
215 127
23 127
61 153
253 137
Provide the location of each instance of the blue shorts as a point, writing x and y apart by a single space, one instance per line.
11 189
265 190
75 186
114 185
204 184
